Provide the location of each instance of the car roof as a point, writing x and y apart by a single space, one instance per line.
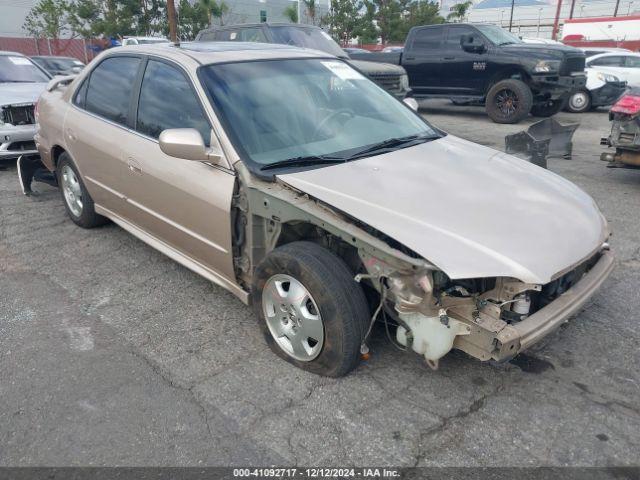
266 24
45 57
614 54
205 53
13 54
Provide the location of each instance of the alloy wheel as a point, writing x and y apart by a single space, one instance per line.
507 101
72 190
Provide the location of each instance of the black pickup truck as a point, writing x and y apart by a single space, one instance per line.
391 77
481 63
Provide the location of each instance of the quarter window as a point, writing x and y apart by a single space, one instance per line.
168 101
428 38
110 87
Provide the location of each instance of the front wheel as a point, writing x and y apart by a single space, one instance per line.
509 101
312 312
579 102
548 108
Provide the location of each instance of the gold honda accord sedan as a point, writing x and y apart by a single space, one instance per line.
290 179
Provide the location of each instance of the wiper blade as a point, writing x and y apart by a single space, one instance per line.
392 144
303 162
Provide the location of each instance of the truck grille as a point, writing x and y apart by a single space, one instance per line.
572 64
18 114
390 82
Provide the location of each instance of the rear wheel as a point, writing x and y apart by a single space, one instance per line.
548 108
312 312
579 102
77 201
509 101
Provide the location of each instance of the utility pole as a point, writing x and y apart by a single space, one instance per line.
556 22
511 17
573 5
299 11
171 10
615 12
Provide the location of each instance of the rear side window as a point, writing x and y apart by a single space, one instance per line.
110 87
207 37
632 62
427 38
168 101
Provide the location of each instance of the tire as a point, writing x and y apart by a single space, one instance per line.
509 101
77 201
579 102
329 293
548 108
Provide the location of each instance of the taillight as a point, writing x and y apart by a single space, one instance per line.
628 104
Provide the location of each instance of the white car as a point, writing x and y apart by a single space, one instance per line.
602 89
625 66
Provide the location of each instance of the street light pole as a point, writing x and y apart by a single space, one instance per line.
511 17
556 22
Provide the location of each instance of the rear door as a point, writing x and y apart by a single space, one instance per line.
183 203
95 128
421 59
463 72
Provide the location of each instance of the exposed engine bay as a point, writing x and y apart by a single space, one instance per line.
431 313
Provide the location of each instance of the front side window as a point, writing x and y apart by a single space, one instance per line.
280 110
168 101
498 36
632 62
110 86
427 38
608 62
455 36
19 69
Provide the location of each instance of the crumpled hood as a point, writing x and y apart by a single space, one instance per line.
470 210
13 93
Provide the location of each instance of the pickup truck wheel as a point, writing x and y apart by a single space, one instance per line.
509 101
312 313
548 108
77 201
579 102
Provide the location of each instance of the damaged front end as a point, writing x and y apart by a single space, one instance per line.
488 318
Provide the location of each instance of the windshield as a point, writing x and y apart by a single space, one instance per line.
20 69
314 38
280 110
497 35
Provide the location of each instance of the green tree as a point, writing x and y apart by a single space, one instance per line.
420 12
345 20
459 11
388 16
191 19
291 12
49 18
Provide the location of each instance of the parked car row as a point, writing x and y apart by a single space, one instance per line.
307 201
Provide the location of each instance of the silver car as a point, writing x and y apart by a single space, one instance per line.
292 180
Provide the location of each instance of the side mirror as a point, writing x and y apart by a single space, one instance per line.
187 143
472 44
412 103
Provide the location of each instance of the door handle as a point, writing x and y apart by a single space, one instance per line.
70 135
409 58
448 58
134 166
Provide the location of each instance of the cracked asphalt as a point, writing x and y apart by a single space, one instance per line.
112 354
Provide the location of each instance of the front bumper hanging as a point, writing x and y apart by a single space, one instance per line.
30 168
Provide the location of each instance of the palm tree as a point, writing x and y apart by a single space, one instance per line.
215 9
459 11
310 6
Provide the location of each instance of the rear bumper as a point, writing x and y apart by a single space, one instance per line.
16 140
513 339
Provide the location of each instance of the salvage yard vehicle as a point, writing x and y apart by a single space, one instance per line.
325 203
392 78
21 83
602 89
624 65
484 64
625 132
59 65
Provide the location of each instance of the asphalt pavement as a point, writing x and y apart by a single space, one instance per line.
112 354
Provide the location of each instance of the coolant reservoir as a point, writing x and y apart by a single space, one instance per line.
431 338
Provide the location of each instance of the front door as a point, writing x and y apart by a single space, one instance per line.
466 73
183 203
